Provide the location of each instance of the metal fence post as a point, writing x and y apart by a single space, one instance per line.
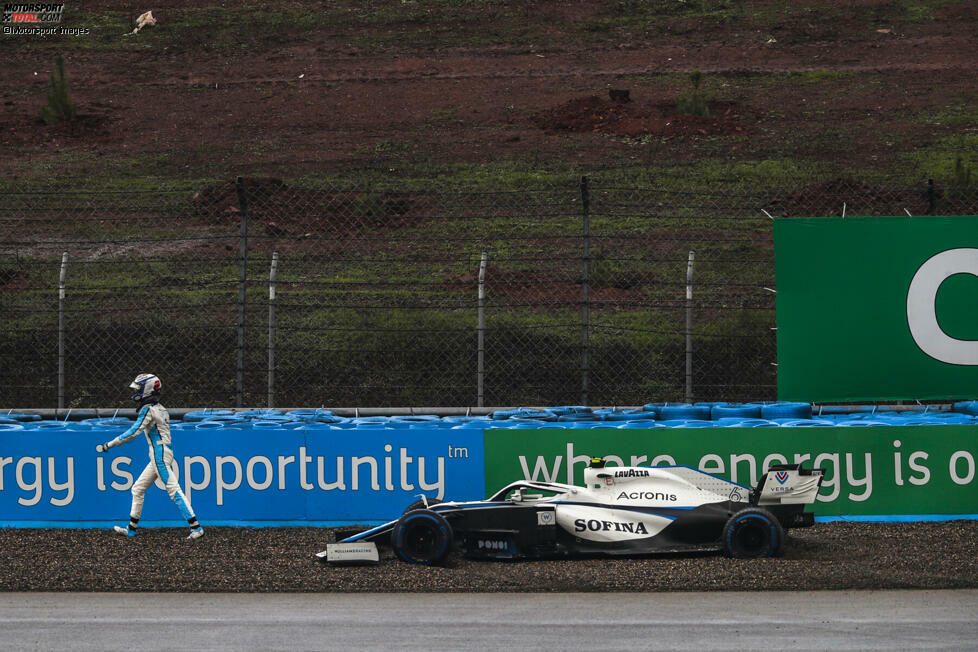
480 383
689 328
242 289
585 287
61 330
271 329
931 197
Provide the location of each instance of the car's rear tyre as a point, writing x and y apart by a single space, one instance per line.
420 504
753 533
422 537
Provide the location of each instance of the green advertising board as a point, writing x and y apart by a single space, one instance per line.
877 308
870 471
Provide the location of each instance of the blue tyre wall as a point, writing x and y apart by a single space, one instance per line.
464 418
474 425
569 410
967 407
250 414
652 415
315 427
862 423
416 419
683 411
806 423
46 424
736 422
786 410
740 410
624 415
110 421
525 413
320 414
220 418
578 417
655 406
204 415
18 416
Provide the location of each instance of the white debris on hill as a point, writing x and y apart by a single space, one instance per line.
143 20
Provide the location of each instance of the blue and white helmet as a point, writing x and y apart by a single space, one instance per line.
144 386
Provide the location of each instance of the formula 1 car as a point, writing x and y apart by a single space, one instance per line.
618 511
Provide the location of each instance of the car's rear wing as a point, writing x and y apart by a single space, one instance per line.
788 484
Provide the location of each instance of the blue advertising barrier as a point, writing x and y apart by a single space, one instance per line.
238 477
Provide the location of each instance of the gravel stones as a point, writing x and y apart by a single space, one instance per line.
837 555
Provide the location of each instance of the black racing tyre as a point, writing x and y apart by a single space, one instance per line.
753 533
422 537
419 504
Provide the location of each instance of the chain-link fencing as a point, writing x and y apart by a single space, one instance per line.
607 289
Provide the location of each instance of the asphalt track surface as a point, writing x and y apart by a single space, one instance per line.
816 620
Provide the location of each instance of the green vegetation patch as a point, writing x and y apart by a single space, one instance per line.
961 114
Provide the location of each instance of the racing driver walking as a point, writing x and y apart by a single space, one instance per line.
154 422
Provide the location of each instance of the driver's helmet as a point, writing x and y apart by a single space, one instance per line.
144 386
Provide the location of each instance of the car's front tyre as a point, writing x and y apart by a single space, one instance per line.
422 537
753 533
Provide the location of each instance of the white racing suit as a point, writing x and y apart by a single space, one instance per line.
154 422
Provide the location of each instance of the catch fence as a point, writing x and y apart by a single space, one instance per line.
598 290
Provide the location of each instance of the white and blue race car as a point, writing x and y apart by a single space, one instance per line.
618 511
